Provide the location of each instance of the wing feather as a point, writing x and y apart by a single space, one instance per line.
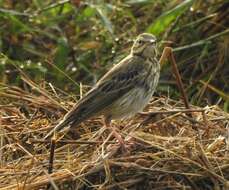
118 81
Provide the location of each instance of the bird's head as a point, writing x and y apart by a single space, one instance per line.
145 45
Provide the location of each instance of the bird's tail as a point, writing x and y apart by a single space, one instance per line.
59 127
75 116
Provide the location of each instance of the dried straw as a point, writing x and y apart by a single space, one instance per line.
166 152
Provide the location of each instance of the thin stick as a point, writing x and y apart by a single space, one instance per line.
51 157
178 78
172 111
69 141
179 83
167 53
202 42
63 73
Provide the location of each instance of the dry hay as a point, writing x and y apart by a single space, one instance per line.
169 153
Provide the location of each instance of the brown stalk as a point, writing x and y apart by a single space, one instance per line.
168 53
173 111
69 141
166 147
51 157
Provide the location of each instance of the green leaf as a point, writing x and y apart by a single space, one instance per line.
140 1
86 14
102 14
226 106
163 21
61 53
13 12
17 26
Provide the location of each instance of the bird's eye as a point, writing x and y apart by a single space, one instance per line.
140 41
153 41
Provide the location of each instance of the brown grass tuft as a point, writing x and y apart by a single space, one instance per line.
167 152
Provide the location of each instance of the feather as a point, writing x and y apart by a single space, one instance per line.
113 85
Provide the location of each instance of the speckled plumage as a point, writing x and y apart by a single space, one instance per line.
124 90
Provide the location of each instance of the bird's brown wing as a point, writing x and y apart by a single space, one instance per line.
112 86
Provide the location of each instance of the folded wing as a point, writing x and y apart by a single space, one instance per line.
113 85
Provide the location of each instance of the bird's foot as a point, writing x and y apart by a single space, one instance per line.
125 149
124 146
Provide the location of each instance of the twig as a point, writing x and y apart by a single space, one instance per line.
69 141
219 119
167 53
178 78
172 111
202 42
13 12
65 74
51 157
54 5
151 114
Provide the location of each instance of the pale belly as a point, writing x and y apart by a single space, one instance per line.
132 102
136 99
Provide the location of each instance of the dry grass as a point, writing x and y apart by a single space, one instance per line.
168 152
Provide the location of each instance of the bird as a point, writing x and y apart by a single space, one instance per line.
122 92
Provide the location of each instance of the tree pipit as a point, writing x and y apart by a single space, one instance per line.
123 91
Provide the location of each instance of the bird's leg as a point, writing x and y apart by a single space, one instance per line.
108 125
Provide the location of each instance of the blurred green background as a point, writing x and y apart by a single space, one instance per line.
65 43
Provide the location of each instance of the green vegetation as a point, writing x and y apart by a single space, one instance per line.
68 42
52 51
